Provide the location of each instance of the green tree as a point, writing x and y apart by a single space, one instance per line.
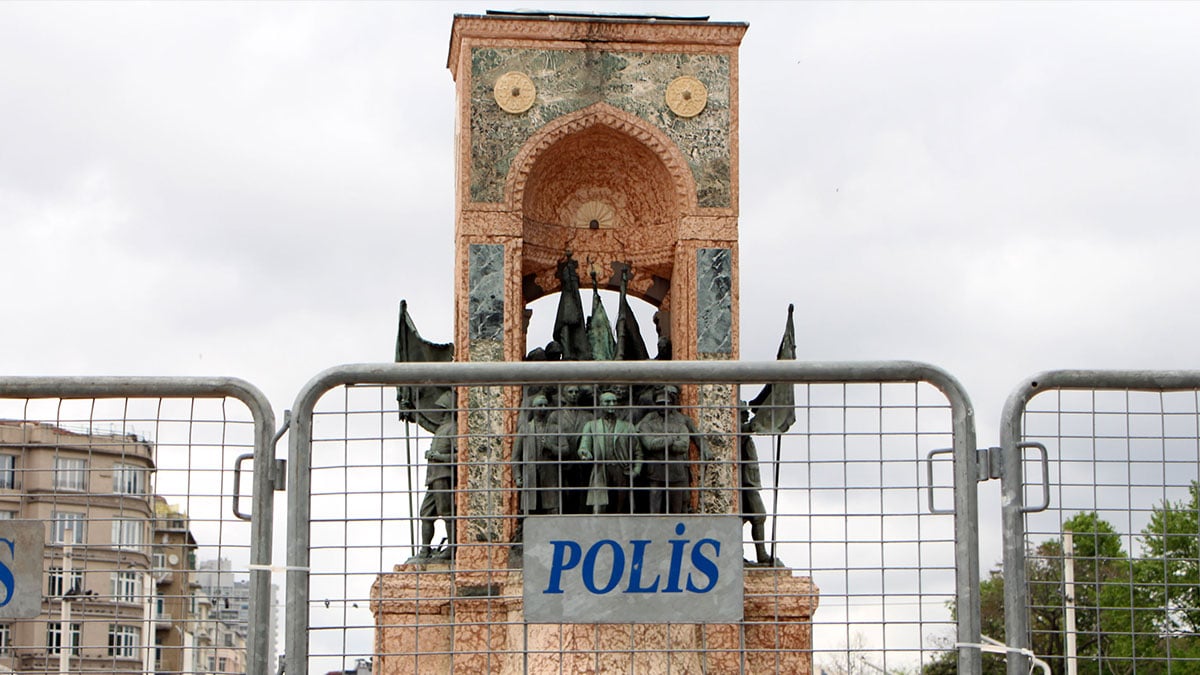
1169 574
1167 589
1119 622
1045 582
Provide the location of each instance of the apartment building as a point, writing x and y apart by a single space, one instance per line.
118 593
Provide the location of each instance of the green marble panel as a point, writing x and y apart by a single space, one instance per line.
567 81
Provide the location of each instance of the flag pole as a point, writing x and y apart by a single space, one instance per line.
402 356
408 470
775 493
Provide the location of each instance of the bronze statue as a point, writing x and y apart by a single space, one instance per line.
440 481
599 329
567 424
666 435
570 328
630 345
415 400
611 443
535 462
753 510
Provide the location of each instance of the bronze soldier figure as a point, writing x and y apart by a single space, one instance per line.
666 435
440 481
535 462
753 510
567 424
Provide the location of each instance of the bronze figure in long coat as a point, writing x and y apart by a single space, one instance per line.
536 465
611 443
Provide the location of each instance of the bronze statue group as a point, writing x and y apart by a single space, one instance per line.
605 455
581 449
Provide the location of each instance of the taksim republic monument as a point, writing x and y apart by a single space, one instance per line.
602 151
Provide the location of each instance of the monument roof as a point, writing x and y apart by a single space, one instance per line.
619 16
575 26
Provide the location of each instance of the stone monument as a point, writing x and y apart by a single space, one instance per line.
607 143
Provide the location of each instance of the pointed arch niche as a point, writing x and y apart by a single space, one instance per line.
610 189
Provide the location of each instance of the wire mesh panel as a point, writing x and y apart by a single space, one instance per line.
1111 567
145 567
406 525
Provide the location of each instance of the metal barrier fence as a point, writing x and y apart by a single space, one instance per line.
845 490
146 568
1101 544
151 566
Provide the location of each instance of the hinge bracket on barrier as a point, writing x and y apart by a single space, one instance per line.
279 480
990 462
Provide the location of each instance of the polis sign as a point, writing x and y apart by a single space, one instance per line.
633 569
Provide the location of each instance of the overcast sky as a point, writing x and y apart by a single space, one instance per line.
250 189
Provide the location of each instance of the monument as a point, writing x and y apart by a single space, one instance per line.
605 148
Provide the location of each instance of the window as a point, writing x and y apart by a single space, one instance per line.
63 521
127 587
8 471
5 638
128 533
54 638
8 515
129 479
70 474
124 641
57 585
222 664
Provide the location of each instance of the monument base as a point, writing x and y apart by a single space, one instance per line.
428 621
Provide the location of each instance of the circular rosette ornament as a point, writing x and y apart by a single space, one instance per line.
686 96
595 215
514 92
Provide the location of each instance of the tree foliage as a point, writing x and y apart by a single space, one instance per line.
1132 614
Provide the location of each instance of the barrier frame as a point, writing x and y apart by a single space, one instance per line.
683 372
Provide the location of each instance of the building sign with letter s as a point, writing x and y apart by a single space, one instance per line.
22 543
633 569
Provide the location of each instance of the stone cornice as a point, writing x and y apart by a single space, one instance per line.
591 29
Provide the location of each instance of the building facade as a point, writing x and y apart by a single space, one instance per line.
117 595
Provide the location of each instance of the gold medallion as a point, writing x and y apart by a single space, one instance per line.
514 92
686 96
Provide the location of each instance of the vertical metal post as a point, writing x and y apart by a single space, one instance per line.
1016 620
149 616
64 606
258 644
298 511
189 655
1069 601
966 526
